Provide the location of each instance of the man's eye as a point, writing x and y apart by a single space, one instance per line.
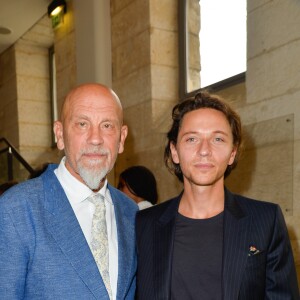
219 139
107 125
81 124
191 139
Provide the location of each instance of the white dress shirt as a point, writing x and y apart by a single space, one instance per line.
77 194
144 204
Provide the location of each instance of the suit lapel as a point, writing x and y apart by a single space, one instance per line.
235 248
65 230
126 245
163 250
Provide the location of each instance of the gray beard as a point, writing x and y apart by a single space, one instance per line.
92 176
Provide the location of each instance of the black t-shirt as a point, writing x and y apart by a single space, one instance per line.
197 259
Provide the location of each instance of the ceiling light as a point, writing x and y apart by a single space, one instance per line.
56 11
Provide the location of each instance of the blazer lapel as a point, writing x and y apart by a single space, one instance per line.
65 230
126 245
163 250
236 229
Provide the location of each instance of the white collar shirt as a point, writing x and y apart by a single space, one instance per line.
144 204
77 194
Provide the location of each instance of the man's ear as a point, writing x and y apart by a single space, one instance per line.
58 131
232 156
174 153
123 135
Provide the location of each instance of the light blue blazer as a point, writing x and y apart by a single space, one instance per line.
43 252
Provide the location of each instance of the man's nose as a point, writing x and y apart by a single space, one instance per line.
95 135
204 148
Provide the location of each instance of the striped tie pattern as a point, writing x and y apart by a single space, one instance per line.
99 242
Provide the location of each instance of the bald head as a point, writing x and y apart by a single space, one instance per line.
86 90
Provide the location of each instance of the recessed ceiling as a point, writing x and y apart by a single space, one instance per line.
17 17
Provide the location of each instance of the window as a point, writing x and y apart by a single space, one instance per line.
212 43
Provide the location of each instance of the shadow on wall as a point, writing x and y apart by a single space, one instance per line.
296 249
266 169
240 179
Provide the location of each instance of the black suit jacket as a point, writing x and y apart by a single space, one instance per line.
269 274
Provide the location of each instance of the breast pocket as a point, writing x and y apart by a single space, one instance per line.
254 276
256 261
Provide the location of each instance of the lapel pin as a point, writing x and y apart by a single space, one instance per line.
253 250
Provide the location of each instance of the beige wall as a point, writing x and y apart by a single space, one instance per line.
65 55
8 97
272 110
145 76
93 41
25 109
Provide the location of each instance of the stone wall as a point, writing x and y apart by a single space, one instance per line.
65 55
25 95
145 76
273 94
270 112
33 93
8 97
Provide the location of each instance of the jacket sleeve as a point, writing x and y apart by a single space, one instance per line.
281 279
13 259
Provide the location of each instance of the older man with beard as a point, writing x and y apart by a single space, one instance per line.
68 234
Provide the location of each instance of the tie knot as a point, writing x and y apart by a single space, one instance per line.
96 199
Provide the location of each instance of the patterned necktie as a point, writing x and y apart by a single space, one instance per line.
99 242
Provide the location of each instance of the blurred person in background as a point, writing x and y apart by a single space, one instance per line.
139 184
